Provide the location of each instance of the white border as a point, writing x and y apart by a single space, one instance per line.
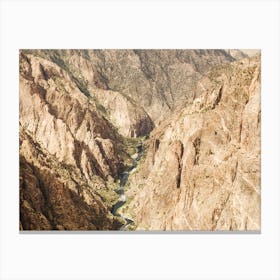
157 24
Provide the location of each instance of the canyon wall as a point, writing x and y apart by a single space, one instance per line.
83 114
201 170
156 81
70 154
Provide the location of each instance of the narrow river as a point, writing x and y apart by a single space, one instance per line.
121 192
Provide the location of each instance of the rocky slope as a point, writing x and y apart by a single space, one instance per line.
237 54
82 117
56 196
202 165
130 119
70 154
157 81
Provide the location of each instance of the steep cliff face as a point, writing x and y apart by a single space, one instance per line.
56 196
70 154
156 80
126 115
201 170
237 54
82 113
130 119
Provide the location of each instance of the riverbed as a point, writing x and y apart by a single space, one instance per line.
121 191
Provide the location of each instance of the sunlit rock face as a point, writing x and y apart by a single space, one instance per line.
156 81
69 153
83 114
202 167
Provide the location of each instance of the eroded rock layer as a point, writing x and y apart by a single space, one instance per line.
156 81
84 113
202 166
70 154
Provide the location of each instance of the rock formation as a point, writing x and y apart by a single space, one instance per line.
70 155
237 54
202 167
155 80
82 113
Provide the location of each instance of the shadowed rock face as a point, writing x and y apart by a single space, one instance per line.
202 167
81 109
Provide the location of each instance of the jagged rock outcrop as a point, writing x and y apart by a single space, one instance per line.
201 170
237 54
56 196
156 80
130 119
81 110
70 154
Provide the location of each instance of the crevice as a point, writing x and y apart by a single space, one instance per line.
235 172
46 75
107 160
156 146
240 130
40 90
77 154
259 117
218 98
179 155
196 145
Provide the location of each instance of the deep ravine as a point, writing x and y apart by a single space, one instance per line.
121 191
84 113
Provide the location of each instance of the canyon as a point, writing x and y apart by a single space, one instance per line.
137 140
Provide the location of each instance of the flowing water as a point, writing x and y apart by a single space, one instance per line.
121 192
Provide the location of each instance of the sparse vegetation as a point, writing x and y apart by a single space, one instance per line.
81 112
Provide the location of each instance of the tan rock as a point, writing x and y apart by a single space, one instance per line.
68 151
80 111
202 168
